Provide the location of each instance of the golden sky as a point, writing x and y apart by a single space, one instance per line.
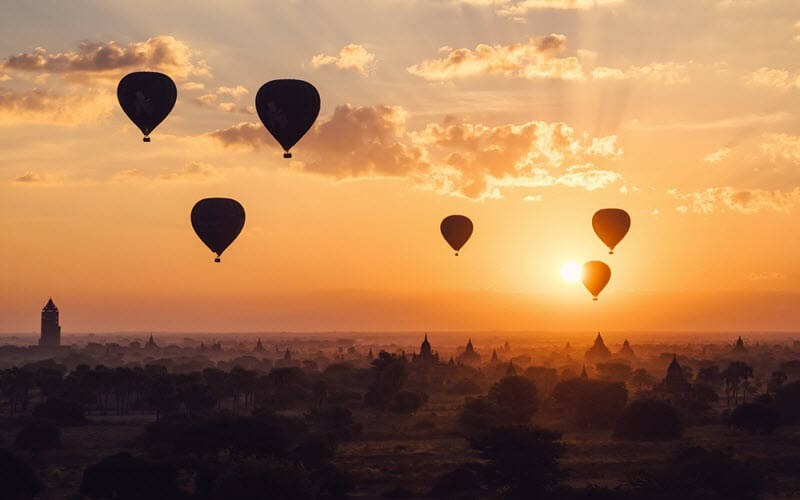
525 115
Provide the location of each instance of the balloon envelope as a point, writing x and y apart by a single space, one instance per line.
456 230
595 276
147 98
217 221
611 225
288 108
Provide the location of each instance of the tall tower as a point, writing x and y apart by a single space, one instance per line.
51 330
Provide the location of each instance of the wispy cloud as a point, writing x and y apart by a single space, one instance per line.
352 57
745 201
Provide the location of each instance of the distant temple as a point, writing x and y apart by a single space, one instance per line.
675 380
259 346
51 330
495 359
426 353
151 343
626 351
584 375
469 356
739 348
599 351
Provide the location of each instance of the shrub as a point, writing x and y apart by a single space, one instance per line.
754 417
61 411
123 476
17 478
648 420
38 435
407 402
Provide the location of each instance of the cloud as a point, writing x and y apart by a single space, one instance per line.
745 201
234 92
782 147
515 8
773 78
768 276
352 57
193 86
110 60
533 198
718 155
468 159
191 171
667 73
45 107
535 59
29 177
743 121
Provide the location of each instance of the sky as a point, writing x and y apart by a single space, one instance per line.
525 115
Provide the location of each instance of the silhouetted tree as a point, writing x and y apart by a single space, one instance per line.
521 461
126 477
614 371
776 381
260 478
335 421
648 420
60 411
38 435
18 480
641 379
754 417
516 397
407 402
787 402
591 403
710 375
388 373
701 473
734 376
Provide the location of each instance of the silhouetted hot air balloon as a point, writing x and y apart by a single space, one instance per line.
595 277
456 230
217 221
611 225
147 98
288 108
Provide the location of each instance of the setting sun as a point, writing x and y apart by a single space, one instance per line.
571 271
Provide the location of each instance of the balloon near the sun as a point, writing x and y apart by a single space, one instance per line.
571 271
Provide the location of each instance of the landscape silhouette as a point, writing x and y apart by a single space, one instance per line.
618 180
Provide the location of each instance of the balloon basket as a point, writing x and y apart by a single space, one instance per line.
145 139
218 260
456 254
287 155
595 299
611 252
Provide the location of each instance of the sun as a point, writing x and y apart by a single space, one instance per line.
571 271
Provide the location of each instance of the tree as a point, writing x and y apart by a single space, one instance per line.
641 379
734 375
38 435
517 397
407 402
259 478
700 473
787 402
591 403
521 461
388 373
60 411
18 480
754 417
776 381
614 371
710 375
648 420
126 477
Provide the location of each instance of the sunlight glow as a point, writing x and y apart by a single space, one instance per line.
571 271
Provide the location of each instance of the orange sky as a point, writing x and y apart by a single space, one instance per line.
525 115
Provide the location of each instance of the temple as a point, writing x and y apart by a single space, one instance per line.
469 356
599 351
51 330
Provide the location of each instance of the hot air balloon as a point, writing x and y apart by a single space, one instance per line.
217 221
611 225
288 108
456 230
147 98
595 277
